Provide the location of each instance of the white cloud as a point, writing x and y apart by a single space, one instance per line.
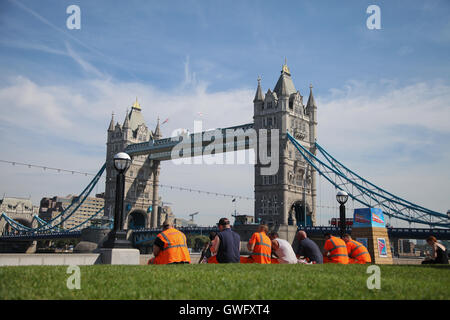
395 136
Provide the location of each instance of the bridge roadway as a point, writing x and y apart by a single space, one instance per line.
143 236
162 149
140 237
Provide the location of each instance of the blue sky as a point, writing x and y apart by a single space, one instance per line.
385 91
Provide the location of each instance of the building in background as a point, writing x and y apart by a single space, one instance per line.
180 222
21 210
243 219
50 208
141 198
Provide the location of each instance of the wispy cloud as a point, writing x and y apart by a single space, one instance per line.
83 63
69 37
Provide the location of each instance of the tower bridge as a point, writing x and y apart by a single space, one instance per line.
286 198
281 198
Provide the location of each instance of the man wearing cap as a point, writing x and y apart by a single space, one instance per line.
227 243
170 246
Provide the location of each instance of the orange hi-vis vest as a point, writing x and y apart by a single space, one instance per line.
358 252
175 247
338 250
263 248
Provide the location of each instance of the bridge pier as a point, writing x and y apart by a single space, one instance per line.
91 240
155 216
245 231
18 246
373 234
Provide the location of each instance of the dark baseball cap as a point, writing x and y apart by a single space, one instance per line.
223 222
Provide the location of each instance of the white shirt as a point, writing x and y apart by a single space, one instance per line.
285 252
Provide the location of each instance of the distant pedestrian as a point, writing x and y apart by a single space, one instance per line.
227 243
439 252
308 250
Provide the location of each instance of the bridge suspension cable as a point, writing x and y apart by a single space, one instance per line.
58 170
206 192
63 215
366 193
40 221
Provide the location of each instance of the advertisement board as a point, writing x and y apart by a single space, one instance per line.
382 250
368 217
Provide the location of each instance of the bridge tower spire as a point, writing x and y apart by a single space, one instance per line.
287 197
139 191
111 124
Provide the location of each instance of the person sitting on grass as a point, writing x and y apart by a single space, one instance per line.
308 251
335 250
207 255
170 246
357 252
226 244
260 246
282 249
439 252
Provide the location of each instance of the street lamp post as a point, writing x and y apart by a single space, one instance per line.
117 237
342 197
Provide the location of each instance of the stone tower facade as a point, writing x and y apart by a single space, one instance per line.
141 179
288 197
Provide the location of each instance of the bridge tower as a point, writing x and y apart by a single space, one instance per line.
289 196
141 197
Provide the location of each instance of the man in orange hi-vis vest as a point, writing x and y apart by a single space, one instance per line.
261 247
357 252
335 250
170 246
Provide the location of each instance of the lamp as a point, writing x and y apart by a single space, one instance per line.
122 162
118 237
342 197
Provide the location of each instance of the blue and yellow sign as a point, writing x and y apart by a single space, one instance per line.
368 217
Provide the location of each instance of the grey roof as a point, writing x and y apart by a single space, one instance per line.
259 95
16 201
285 86
134 119
111 124
126 122
157 133
311 101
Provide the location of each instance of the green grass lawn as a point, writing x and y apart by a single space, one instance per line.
239 281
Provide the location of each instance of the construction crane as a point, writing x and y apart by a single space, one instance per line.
192 215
